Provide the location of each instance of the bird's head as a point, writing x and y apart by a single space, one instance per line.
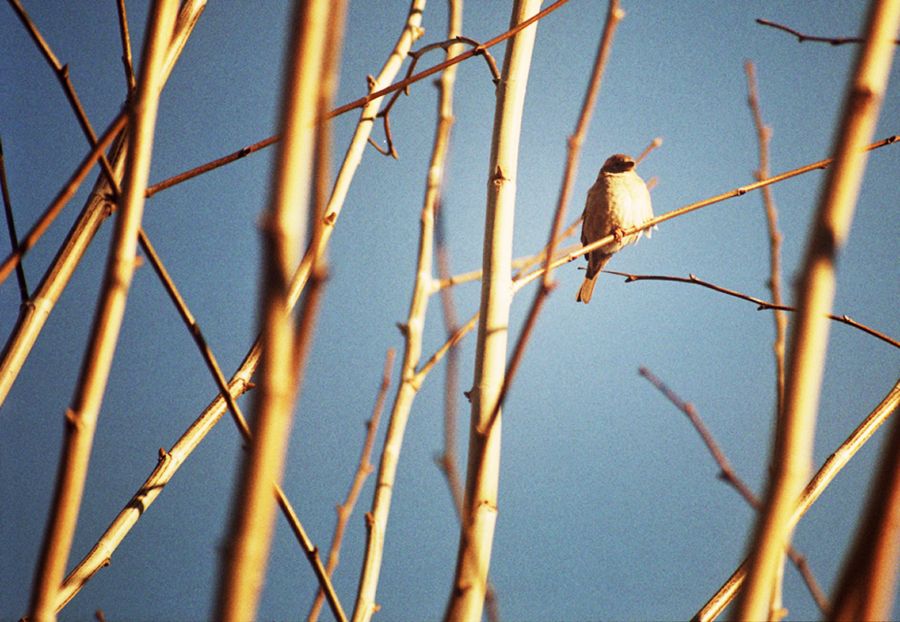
618 163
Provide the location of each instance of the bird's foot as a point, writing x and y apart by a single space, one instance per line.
619 234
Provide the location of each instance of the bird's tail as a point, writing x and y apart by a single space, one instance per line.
595 265
587 290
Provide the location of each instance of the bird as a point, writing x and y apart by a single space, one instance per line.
618 200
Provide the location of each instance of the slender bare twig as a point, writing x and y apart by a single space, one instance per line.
764 134
171 460
728 475
126 45
408 388
814 488
802 37
791 455
582 250
466 600
614 15
82 416
762 305
447 460
362 102
345 509
244 569
11 227
654 144
62 74
240 421
866 587
62 197
97 208
415 55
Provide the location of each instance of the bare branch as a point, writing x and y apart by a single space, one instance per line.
814 488
792 447
345 509
802 37
81 417
763 134
727 474
63 196
762 305
126 45
362 102
11 227
614 15
416 55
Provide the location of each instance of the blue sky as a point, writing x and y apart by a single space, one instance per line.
609 505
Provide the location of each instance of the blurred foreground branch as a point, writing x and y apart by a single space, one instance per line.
728 475
791 454
814 489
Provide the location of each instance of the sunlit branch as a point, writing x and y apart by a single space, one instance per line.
126 45
478 518
362 102
614 15
81 417
415 55
794 432
802 37
345 509
97 208
814 489
728 475
763 135
11 228
762 305
63 196
243 569
868 580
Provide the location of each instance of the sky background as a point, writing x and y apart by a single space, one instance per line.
609 503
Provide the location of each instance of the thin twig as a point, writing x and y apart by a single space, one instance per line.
62 74
654 144
728 475
81 417
762 305
478 519
11 227
681 211
126 46
522 280
764 134
345 509
97 208
802 37
412 331
362 102
450 43
814 489
240 421
614 15
63 196
792 447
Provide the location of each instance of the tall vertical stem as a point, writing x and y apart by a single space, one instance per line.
795 428
480 505
284 231
81 417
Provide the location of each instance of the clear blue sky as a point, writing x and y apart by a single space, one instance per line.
609 504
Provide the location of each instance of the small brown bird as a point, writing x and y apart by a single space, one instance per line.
619 199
